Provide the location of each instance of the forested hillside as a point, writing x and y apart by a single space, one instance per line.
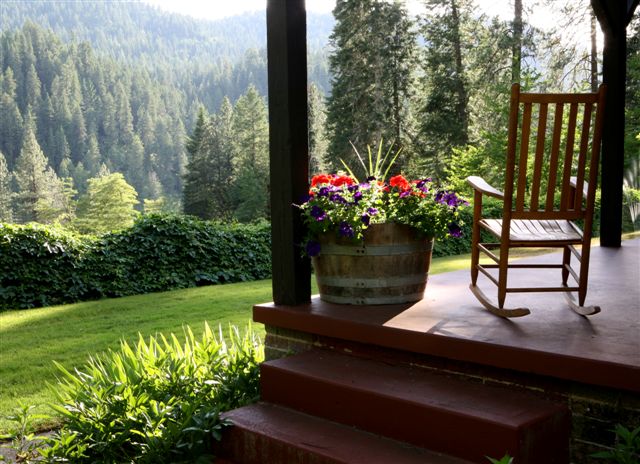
174 47
104 87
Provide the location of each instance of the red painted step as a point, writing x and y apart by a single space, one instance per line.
429 410
268 434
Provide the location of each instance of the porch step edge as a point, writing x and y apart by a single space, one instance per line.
266 433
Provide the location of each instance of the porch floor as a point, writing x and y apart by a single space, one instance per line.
450 323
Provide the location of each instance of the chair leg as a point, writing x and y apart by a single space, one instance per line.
584 273
475 238
502 273
566 262
475 260
579 306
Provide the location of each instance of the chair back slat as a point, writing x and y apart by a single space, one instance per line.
524 152
566 146
582 156
539 158
553 161
565 198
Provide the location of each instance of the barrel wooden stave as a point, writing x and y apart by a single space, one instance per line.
391 266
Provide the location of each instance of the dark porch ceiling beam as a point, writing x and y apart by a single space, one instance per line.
288 147
613 16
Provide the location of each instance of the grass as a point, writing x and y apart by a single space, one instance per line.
31 339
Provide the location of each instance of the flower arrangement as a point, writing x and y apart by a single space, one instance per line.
340 204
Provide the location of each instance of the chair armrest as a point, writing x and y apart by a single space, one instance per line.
573 181
480 185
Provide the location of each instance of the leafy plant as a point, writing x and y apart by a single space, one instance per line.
23 440
156 401
626 449
506 459
376 167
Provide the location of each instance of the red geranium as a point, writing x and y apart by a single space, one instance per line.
339 181
400 182
321 179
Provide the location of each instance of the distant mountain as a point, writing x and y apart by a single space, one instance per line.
134 32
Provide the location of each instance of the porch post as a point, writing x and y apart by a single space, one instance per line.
288 147
613 17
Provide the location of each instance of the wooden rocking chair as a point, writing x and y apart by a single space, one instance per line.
547 189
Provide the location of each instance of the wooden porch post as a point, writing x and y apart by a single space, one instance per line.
613 16
288 146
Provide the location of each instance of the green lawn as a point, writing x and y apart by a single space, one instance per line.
31 339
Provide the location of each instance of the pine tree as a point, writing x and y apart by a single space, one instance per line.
92 156
317 130
11 122
374 45
108 205
59 207
217 146
32 180
251 145
443 110
6 194
194 196
194 140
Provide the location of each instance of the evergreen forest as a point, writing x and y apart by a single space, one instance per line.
121 107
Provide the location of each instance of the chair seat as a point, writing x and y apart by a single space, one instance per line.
524 230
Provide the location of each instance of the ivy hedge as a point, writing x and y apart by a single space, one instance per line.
44 265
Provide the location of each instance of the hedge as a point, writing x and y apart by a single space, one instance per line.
44 265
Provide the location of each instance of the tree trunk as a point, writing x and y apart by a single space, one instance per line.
516 60
594 53
461 106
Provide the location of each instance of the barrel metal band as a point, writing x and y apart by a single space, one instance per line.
379 300
376 250
375 282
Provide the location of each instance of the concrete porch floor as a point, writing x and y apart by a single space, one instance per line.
450 323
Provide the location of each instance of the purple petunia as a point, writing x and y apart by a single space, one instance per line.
346 230
372 211
357 197
323 191
455 230
337 198
448 198
312 248
366 219
318 213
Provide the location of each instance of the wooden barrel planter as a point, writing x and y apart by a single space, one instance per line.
390 266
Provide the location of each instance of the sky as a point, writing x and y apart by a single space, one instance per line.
216 9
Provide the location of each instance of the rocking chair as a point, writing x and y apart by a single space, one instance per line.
547 189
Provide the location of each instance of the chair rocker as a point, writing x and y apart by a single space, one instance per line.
550 184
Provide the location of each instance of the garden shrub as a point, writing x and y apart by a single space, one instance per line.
39 266
44 265
157 401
